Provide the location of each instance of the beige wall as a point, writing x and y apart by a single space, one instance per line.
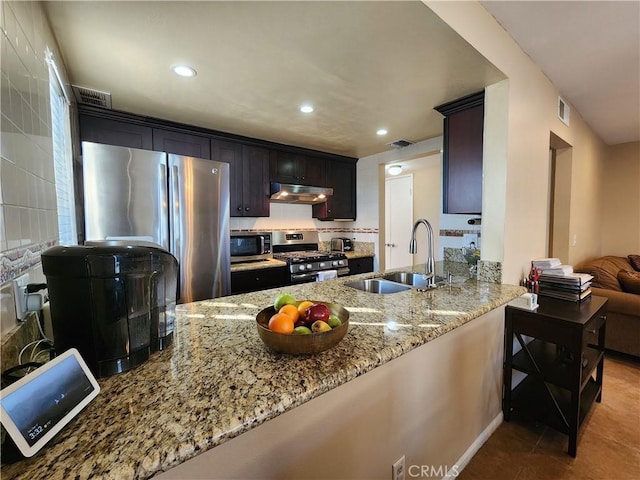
427 203
621 200
523 166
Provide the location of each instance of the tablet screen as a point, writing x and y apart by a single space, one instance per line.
36 407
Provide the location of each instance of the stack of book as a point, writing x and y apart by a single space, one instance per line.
559 281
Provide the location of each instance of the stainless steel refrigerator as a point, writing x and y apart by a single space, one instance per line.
179 203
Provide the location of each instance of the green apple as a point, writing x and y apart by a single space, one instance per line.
284 299
302 330
334 321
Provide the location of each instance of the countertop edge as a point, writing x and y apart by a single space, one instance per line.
343 377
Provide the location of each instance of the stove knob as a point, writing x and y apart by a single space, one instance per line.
301 267
309 266
335 263
323 264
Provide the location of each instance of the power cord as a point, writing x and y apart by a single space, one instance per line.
36 352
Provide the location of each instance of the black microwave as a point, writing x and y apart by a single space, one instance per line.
250 246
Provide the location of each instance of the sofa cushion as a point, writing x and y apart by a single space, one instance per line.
634 260
630 281
605 271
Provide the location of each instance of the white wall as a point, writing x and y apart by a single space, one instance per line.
288 216
371 184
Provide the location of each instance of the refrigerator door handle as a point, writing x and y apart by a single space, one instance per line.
176 241
162 208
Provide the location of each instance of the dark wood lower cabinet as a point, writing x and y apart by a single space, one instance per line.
360 265
557 374
259 279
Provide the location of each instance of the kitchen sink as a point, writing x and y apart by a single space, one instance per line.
376 285
417 280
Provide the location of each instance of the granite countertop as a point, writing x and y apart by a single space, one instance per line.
218 380
358 254
270 263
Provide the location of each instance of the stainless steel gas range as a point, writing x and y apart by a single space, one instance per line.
305 261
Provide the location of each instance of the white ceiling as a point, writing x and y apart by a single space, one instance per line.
590 51
364 65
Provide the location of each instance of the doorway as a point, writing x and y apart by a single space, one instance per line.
398 221
559 204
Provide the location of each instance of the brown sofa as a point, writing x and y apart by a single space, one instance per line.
623 307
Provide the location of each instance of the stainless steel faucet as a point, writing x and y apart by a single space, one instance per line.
429 266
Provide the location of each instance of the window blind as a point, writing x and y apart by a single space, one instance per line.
63 160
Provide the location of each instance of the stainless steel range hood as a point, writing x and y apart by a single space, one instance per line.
290 193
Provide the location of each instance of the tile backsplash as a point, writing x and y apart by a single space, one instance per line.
28 215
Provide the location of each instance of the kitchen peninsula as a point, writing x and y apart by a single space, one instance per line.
219 404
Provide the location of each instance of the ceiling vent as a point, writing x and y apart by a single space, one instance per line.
400 143
563 111
89 96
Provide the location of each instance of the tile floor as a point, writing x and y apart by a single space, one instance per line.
608 445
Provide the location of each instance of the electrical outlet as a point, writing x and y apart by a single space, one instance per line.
398 469
467 238
20 295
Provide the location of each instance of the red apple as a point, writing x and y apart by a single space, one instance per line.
317 311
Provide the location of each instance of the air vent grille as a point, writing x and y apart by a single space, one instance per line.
89 96
564 111
400 143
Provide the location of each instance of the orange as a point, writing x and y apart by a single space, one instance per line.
302 306
290 310
281 323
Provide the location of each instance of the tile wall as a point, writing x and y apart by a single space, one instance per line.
28 219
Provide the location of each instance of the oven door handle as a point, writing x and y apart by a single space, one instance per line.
297 277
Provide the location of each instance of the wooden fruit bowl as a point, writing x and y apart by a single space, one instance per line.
303 344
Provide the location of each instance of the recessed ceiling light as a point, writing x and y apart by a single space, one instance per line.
382 131
306 108
184 71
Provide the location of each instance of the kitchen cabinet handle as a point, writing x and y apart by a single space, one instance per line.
239 209
246 209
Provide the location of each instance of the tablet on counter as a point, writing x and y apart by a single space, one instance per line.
40 404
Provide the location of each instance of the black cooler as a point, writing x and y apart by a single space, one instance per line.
115 304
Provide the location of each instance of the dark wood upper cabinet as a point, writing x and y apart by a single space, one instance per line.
297 168
181 143
115 132
248 177
255 181
462 154
341 176
253 163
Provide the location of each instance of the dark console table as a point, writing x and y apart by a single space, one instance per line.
562 346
